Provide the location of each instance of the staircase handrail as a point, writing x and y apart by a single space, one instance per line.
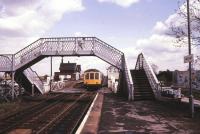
129 80
34 79
111 47
39 79
31 46
142 63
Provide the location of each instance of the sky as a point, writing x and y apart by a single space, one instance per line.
132 26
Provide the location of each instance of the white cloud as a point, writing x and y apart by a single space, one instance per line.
160 50
122 3
10 45
24 21
160 27
161 47
179 20
28 18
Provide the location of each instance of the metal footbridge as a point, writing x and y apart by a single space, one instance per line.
19 64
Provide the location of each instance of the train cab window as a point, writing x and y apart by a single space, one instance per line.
96 76
87 76
91 75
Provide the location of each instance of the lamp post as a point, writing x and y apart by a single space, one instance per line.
191 99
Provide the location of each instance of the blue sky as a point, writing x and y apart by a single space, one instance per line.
133 26
107 19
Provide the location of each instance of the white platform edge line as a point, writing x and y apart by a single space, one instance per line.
80 128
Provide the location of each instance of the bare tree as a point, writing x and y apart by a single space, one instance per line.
178 29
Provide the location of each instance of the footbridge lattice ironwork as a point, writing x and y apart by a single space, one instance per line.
70 46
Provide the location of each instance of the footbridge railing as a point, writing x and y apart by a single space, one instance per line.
33 77
128 79
67 46
142 63
6 62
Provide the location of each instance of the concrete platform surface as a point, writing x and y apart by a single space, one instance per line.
70 90
92 123
121 116
186 100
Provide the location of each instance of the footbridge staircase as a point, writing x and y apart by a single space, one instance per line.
19 63
146 84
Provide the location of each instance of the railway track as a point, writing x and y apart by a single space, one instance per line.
61 114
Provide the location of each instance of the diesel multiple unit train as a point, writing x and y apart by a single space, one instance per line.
93 79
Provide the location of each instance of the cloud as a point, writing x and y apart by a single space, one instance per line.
10 45
159 49
24 21
157 43
178 21
28 18
122 3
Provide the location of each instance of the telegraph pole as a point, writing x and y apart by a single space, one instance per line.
191 99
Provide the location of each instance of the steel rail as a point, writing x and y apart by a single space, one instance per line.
25 115
59 116
82 115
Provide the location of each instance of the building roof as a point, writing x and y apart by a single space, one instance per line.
67 67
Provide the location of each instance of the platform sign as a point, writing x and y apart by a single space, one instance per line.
189 58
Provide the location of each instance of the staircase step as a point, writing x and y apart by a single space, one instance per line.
143 94
142 85
142 88
143 98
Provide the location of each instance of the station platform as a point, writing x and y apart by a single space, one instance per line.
114 114
186 100
70 90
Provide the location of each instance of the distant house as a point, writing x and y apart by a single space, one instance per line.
68 71
113 77
181 79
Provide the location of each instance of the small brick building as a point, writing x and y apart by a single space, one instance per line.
70 71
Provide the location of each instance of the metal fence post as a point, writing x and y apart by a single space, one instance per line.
13 79
33 90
